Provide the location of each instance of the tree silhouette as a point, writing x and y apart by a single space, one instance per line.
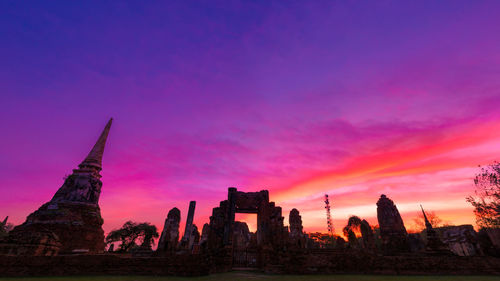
132 232
486 201
419 221
356 225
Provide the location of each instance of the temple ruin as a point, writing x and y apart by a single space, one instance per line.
392 229
434 244
71 221
296 237
170 234
270 229
70 225
190 231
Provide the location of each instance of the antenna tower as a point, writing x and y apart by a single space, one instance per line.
328 215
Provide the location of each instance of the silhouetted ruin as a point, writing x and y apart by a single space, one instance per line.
71 221
188 232
194 238
296 237
460 239
392 229
270 229
434 244
67 230
204 234
3 227
170 234
4 221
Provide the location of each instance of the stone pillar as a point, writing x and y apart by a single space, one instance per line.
231 210
189 221
194 237
295 221
296 238
170 234
216 231
392 229
277 229
204 233
264 219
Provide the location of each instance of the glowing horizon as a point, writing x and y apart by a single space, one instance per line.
340 98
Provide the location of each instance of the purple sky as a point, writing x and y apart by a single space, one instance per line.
351 98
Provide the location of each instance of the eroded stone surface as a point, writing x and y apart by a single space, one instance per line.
32 241
368 236
73 214
460 239
392 228
271 234
204 233
189 220
170 234
296 236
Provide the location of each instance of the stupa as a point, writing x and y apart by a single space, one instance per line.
72 216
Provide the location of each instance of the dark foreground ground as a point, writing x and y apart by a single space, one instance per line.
234 276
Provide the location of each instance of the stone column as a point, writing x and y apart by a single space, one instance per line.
189 221
170 234
392 229
231 210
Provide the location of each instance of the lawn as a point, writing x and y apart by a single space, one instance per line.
234 276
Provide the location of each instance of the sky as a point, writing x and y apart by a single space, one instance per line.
303 98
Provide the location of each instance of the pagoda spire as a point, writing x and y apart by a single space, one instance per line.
428 225
94 158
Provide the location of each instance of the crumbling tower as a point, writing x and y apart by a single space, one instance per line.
191 230
170 234
392 229
189 221
72 218
434 244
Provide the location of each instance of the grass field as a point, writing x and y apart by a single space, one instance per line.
235 276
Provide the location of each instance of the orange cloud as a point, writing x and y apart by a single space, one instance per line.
396 163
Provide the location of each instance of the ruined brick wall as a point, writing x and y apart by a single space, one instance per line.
30 243
494 235
319 261
460 239
78 226
179 265
330 261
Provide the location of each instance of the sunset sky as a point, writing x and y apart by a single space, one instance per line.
350 98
